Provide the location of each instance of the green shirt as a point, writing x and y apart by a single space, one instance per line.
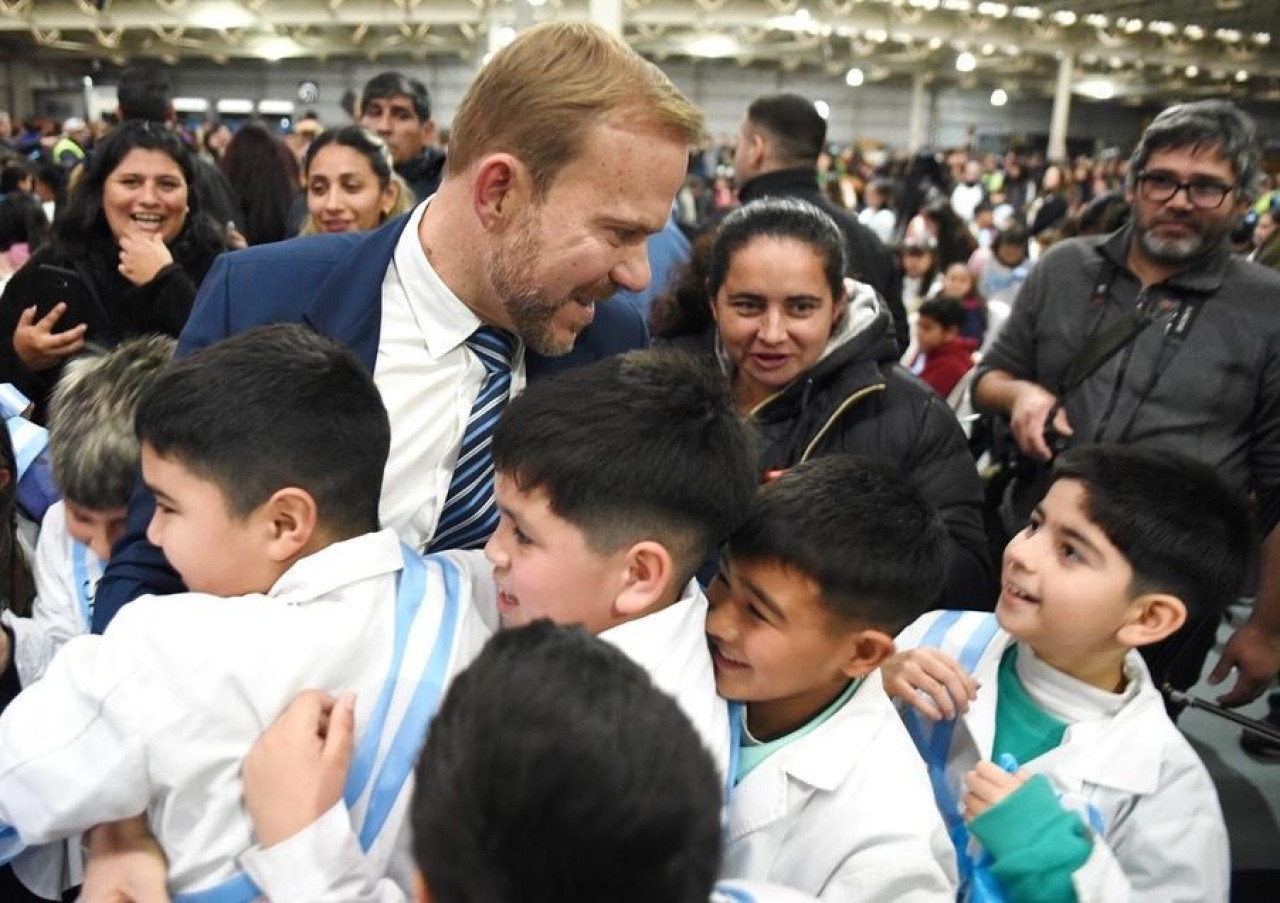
754 751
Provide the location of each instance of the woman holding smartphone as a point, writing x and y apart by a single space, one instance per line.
126 258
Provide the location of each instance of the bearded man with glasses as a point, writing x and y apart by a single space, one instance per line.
1157 335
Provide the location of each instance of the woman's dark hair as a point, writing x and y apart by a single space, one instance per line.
22 219
80 230
778 218
264 175
12 176
367 144
684 310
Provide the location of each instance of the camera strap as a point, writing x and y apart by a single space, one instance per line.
1102 346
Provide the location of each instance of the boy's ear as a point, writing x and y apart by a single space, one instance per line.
421 891
866 650
1154 616
502 184
649 569
290 521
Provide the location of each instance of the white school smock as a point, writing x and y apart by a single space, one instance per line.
844 813
158 713
1163 839
322 863
66 576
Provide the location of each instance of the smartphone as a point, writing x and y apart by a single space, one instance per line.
55 285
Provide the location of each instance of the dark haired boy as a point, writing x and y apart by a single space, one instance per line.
943 355
265 454
829 794
1100 797
613 482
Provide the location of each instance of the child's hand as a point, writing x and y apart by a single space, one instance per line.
987 785
126 865
932 682
296 770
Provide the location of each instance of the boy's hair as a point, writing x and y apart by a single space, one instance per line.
143 93
875 547
797 129
645 445
556 771
1182 530
946 312
1013 234
274 407
92 443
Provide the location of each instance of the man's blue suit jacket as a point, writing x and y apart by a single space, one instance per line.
334 284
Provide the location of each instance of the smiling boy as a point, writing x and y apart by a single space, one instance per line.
1110 802
829 795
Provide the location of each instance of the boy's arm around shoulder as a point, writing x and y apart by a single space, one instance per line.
73 745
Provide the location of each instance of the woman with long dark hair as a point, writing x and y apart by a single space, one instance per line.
136 241
264 176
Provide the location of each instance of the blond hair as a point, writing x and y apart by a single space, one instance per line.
538 97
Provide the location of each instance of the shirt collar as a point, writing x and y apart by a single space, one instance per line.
321 574
445 320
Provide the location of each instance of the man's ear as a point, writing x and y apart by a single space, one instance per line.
865 650
649 570
1153 617
429 131
420 889
502 185
289 519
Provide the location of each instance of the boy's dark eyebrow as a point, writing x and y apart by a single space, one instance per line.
158 493
1079 539
763 598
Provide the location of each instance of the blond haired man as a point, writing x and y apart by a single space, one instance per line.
566 152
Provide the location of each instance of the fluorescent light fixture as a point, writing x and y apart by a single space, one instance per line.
1065 17
966 62
935 42
1030 13
1262 38
999 97
1097 88
1096 20
988 49
712 46
275 107
190 105
220 15
1133 26
854 77
235 106
278 48
995 10
505 35
876 35
1242 76
1194 32
1228 35
823 108
957 6
1191 71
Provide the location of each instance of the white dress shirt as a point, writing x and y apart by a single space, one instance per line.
428 380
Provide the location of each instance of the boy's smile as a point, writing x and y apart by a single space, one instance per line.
774 645
543 566
1065 589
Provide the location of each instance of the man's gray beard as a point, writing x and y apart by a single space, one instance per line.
1173 252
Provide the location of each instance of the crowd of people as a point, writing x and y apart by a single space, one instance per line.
583 512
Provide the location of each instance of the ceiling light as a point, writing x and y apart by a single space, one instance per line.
1133 26
1242 76
1096 20
1030 13
1261 38
999 97
712 46
1065 17
1162 28
935 42
1228 35
854 77
957 6
965 62
988 49
823 108
1194 32
995 10
1191 71
1097 88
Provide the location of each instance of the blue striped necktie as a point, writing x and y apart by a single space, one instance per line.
470 514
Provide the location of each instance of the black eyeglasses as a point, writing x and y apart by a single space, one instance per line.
1206 194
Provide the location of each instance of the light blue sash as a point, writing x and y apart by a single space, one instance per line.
80 573
384 786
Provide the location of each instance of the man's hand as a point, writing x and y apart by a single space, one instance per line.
38 346
1027 418
1254 653
142 256
988 785
296 771
930 681
125 865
